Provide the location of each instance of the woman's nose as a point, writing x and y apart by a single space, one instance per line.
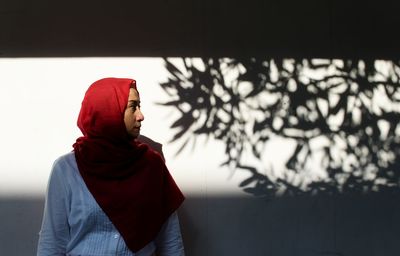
140 116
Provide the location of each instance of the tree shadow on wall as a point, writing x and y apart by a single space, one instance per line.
340 118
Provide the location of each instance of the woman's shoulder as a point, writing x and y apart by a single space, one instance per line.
68 158
63 173
153 148
64 163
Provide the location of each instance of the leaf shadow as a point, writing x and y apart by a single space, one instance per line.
341 115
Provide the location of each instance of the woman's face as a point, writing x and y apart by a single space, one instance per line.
133 116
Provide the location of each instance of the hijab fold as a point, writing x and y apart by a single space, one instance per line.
128 179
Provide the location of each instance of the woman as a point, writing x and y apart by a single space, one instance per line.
112 195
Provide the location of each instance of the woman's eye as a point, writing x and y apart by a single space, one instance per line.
134 106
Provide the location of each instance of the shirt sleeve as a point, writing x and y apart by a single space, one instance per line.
54 234
169 240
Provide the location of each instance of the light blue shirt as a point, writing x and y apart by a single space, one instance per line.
74 224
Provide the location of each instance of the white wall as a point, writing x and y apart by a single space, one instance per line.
39 104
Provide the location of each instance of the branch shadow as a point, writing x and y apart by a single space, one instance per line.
340 117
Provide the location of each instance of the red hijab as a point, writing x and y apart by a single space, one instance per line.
129 180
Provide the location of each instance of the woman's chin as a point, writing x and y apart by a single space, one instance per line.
134 134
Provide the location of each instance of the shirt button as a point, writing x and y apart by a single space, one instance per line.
116 236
